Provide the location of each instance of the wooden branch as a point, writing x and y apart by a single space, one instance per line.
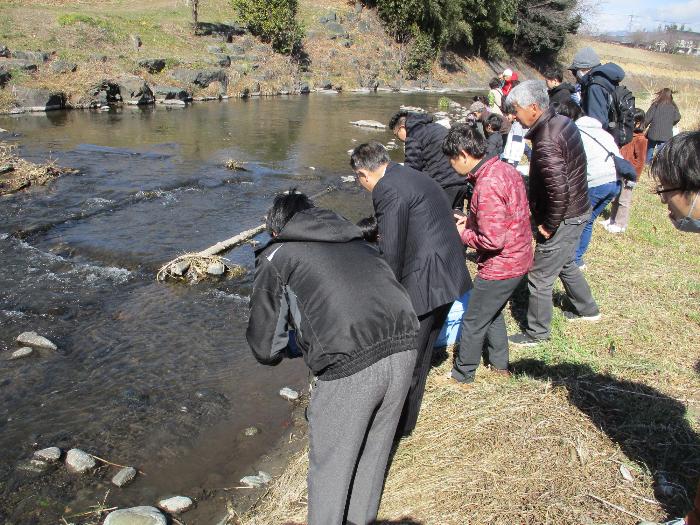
620 509
114 465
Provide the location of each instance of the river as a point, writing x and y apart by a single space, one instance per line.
150 374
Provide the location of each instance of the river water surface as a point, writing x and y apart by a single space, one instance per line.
150 374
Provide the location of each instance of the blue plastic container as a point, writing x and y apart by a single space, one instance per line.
452 329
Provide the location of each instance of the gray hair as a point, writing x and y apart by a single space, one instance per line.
528 93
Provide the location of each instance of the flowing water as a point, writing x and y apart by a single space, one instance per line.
151 374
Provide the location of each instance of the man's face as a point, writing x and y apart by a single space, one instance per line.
551 82
527 115
400 133
463 163
363 178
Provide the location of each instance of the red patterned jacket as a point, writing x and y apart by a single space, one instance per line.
498 227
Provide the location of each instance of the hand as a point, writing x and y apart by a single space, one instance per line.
461 222
543 232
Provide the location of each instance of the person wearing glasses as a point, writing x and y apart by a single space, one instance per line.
676 169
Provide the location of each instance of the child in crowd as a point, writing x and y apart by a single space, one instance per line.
495 96
515 142
494 139
634 152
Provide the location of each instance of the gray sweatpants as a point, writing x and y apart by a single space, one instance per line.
352 422
554 258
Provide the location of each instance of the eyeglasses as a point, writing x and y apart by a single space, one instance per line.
660 190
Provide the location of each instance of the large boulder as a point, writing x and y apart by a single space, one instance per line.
171 93
152 65
31 99
17 63
5 76
134 90
337 31
32 56
63 66
200 77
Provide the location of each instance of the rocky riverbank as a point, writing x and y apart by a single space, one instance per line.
345 48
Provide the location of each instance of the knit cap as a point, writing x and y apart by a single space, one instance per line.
586 58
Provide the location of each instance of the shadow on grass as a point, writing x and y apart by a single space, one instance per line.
650 427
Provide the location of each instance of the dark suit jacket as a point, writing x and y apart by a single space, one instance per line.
418 238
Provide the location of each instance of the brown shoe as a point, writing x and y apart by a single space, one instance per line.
505 373
451 382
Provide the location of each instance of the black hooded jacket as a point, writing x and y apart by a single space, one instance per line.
597 87
424 150
321 279
561 93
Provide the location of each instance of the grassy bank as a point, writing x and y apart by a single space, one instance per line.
550 445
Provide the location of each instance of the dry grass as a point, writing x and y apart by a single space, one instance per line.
19 173
541 447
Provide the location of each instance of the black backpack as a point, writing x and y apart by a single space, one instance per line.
620 112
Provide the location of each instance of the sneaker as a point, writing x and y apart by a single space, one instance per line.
504 373
449 381
614 228
582 267
524 339
604 222
571 316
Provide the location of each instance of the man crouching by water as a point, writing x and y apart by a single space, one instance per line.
356 328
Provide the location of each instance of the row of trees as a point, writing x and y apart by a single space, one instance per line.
492 29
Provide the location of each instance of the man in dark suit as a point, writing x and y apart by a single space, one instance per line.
419 240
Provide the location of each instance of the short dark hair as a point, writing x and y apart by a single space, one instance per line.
677 164
284 207
370 228
481 98
553 73
495 122
569 109
463 137
399 119
494 83
639 115
369 156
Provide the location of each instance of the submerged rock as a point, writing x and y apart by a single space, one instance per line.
124 476
176 504
22 352
251 431
136 516
134 90
33 466
216 268
290 394
79 462
263 478
35 340
38 99
51 454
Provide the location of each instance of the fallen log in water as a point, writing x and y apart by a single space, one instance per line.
199 265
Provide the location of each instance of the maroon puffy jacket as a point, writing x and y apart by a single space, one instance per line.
558 184
498 227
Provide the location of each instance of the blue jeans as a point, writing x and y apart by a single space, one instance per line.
600 197
652 147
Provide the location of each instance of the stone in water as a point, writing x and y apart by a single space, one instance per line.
176 505
50 454
22 352
216 268
251 431
79 462
288 393
33 466
179 268
34 339
368 124
261 479
136 516
124 476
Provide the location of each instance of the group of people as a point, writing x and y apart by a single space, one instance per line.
366 302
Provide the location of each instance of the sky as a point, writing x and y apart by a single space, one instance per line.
614 15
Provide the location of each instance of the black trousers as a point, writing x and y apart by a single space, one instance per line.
430 326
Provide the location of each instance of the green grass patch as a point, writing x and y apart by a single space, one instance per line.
70 19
